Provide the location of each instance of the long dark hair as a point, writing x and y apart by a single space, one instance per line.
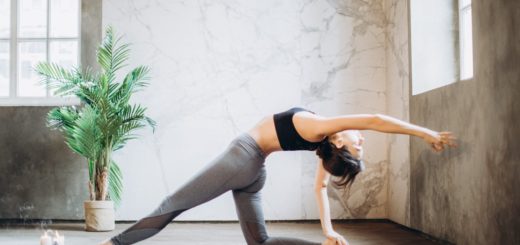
339 162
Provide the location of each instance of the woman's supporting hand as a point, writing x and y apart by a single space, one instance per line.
437 140
334 238
329 241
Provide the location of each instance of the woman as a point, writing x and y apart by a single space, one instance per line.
240 169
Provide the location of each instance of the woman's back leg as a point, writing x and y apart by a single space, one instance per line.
229 171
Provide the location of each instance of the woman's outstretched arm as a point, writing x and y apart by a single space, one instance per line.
385 124
321 181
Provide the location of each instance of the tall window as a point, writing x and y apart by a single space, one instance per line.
32 31
466 39
5 24
435 28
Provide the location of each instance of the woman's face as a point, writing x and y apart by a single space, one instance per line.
352 139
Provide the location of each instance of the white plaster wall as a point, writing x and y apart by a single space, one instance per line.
218 66
398 78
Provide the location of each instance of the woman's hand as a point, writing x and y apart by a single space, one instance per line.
437 140
334 238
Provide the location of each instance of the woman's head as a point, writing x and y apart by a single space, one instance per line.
341 155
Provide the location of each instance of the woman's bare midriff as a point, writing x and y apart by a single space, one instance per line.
264 133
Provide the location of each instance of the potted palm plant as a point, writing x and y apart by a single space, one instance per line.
103 123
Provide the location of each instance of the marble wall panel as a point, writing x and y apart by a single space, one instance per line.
220 66
398 77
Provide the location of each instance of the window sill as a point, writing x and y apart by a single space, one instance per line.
58 101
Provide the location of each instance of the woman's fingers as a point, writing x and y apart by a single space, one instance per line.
437 147
448 138
341 241
438 140
446 133
329 241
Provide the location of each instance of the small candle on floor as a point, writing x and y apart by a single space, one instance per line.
45 240
59 240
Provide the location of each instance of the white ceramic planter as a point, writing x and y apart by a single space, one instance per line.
99 215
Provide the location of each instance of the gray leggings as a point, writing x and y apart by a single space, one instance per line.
240 168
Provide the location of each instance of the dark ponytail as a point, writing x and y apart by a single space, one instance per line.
324 150
339 162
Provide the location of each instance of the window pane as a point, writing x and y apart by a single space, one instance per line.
464 3
64 53
4 69
29 54
467 45
5 18
64 18
33 18
433 62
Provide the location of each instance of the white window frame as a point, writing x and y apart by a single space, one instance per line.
463 41
13 99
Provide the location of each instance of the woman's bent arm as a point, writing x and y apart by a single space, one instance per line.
321 181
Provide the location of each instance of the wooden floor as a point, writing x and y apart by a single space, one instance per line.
370 232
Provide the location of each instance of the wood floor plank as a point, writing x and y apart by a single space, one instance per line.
358 233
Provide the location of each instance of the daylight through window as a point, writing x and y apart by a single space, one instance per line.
466 39
32 31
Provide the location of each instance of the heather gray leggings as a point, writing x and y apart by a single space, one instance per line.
240 168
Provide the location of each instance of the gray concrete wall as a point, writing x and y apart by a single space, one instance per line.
91 32
470 195
41 177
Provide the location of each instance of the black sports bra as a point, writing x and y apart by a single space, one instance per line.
288 137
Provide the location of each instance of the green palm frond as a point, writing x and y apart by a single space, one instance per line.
87 75
133 82
84 79
84 137
62 117
91 164
152 123
57 77
132 118
115 184
90 95
112 56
